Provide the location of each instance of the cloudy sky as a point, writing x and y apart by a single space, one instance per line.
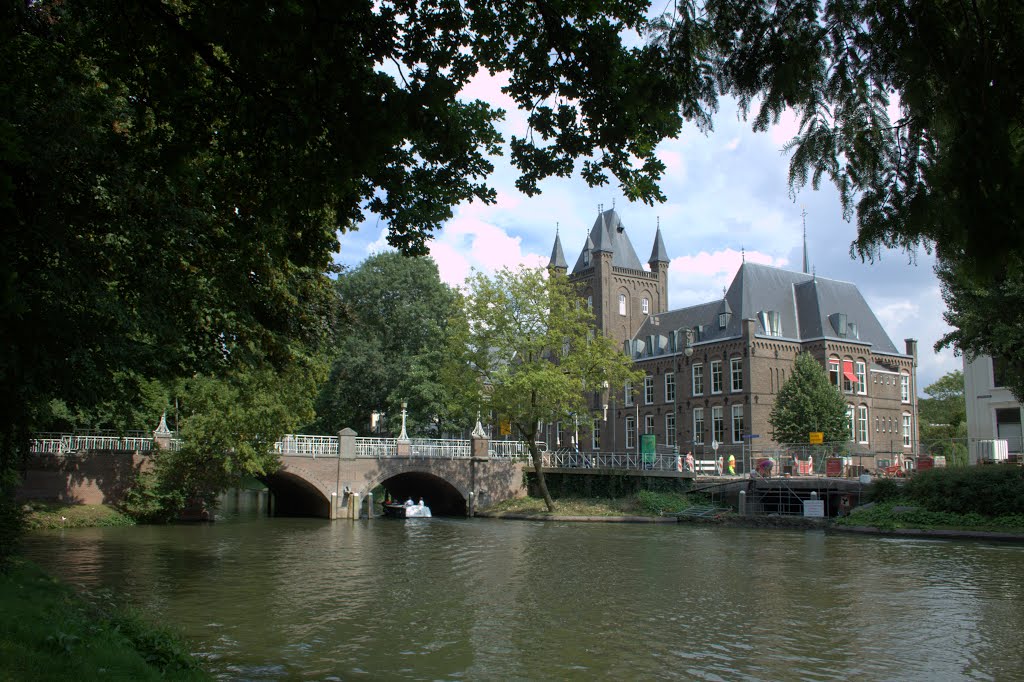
727 193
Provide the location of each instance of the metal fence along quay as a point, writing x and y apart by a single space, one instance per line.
786 459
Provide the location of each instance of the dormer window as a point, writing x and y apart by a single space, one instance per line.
771 322
650 346
838 321
723 320
851 330
586 256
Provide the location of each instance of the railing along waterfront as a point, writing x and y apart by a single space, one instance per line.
567 459
376 447
64 443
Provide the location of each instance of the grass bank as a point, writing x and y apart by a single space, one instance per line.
40 515
50 632
644 503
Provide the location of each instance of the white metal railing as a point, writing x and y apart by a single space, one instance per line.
376 447
631 461
510 449
436 448
301 445
64 443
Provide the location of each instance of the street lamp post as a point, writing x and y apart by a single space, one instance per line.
403 436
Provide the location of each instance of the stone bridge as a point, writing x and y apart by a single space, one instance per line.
333 477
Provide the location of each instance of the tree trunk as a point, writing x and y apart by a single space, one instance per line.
539 470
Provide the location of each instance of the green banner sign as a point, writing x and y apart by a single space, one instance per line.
647 441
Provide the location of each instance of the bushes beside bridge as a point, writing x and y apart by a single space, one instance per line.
995 490
985 498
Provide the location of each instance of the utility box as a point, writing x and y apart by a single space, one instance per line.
989 451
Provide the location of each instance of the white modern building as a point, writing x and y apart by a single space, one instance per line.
993 414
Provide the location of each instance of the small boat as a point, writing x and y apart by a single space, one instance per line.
409 510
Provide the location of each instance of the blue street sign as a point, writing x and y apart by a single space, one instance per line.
752 435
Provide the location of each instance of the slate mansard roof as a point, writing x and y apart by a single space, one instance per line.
808 307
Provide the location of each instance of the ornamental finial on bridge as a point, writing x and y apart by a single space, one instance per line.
478 430
161 429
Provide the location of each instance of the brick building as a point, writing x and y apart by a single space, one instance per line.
713 369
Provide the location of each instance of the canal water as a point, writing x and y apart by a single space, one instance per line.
478 599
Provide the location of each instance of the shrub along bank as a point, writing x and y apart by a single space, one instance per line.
986 498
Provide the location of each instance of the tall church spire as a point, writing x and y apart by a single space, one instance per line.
807 265
658 253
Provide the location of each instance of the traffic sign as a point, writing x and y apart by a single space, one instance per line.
714 445
816 437
752 435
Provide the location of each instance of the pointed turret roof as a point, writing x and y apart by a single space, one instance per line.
658 253
557 256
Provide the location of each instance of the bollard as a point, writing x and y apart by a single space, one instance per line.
471 503
743 503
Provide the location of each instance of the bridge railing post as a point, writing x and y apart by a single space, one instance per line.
346 444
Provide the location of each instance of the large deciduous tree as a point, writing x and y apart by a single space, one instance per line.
390 346
942 418
173 175
808 402
914 109
532 346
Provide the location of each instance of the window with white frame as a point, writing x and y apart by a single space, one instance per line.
670 387
716 376
590 302
851 418
648 389
862 424
737 423
736 374
904 387
648 423
595 435
717 424
833 372
698 426
622 304
670 428
630 432
849 378
906 430
860 369
645 305
628 393
698 379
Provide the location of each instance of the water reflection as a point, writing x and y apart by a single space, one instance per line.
479 599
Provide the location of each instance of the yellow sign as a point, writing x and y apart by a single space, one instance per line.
817 437
505 427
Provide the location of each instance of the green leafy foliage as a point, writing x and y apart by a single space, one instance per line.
532 348
913 109
990 491
884 490
808 402
986 314
390 348
173 176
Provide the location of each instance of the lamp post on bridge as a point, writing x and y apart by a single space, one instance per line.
403 436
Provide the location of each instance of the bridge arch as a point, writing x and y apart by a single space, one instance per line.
444 497
298 492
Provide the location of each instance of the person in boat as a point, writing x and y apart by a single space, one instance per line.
409 502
